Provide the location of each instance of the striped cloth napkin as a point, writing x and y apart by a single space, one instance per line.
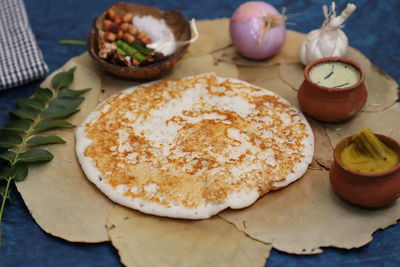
21 60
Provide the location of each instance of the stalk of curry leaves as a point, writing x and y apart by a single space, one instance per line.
44 110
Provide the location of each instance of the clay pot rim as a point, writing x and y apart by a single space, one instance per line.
330 59
385 139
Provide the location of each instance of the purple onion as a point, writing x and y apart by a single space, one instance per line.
257 30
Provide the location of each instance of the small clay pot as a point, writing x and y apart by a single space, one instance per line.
331 104
365 190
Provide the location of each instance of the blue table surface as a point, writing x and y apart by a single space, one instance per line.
374 29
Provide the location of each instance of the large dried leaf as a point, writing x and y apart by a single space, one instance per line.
86 61
145 240
110 84
58 195
323 152
385 122
307 216
301 218
382 89
202 64
287 54
292 74
213 35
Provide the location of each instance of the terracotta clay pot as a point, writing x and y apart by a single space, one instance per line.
331 104
365 190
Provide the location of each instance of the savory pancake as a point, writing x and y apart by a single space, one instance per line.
189 148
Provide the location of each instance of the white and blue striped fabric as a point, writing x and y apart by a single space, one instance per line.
21 60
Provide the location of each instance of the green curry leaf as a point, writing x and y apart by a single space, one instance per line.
8 140
69 92
45 140
35 155
31 103
19 171
43 94
46 125
17 126
26 113
63 79
9 156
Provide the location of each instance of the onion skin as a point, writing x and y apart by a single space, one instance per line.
251 35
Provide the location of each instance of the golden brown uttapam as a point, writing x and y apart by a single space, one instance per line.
189 148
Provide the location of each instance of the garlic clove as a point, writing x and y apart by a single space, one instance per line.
167 44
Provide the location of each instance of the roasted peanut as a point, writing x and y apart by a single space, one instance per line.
134 62
110 14
101 44
133 30
110 37
128 38
120 35
146 40
114 28
106 25
142 35
118 20
127 17
125 26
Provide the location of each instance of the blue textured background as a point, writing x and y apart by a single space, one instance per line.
374 29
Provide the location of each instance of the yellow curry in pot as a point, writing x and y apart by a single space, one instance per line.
367 154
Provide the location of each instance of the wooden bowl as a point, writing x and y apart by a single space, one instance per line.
174 19
331 104
366 190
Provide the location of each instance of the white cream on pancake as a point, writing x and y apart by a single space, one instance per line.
189 148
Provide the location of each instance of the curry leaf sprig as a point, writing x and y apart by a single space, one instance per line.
19 140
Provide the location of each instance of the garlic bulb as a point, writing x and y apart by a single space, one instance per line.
330 40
